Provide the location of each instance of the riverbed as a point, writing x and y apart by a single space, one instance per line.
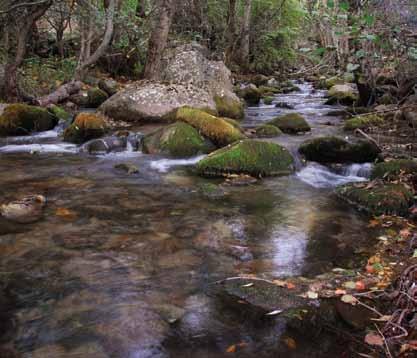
119 265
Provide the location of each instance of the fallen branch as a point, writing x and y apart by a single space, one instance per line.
368 137
62 93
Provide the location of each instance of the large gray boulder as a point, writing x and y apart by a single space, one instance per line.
188 78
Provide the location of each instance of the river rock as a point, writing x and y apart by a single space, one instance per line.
363 122
251 94
188 78
291 123
218 130
337 150
129 168
267 131
284 105
60 113
96 97
21 119
24 211
109 86
255 158
86 126
378 198
344 94
115 143
391 169
177 140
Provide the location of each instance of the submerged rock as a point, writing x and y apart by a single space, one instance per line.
177 140
127 167
337 150
291 123
21 119
284 105
267 131
268 100
24 211
345 94
250 157
86 126
378 198
219 131
363 122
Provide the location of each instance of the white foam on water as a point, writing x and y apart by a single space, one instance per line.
163 165
359 170
319 176
40 148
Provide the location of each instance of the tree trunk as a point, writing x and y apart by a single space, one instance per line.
159 38
231 31
245 39
87 59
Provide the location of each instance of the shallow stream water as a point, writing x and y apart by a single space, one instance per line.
120 263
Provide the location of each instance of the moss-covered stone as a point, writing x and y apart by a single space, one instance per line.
177 140
216 129
60 113
96 97
267 90
233 122
230 108
86 126
255 158
337 150
268 100
363 122
267 131
390 170
21 119
378 199
345 94
251 94
333 81
291 123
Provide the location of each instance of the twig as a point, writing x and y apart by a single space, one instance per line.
368 137
385 341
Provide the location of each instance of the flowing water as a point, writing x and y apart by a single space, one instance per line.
119 265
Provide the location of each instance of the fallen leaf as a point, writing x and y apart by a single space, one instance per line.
248 285
350 285
374 339
360 285
290 286
373 223
312 295
231 349
290 342
415 254
340 292
405 233
349 299
65 213
280 283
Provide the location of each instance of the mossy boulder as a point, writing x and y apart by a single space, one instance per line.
346 94
378 198
109 86
177 140
96 97
268 100
255 158
85 127
267 131
60 113
390 170
363 122
21 119
216 129
229 107
333 81
337 150
251 94
267 90
291 123
233 122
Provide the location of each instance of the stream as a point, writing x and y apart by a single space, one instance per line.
120 264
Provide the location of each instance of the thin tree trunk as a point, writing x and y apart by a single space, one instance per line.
245 39
87 59
159 38
141 9
231 31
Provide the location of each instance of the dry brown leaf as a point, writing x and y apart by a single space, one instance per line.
374 339
290 342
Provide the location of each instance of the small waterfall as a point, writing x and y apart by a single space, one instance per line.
129 147
357 170
163 165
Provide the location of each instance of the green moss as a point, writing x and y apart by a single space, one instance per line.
378 199
267 90
332 81
96 97
266 130
60 113
250 94
86 126
390 170
178 140
268 100
233 122
21 119
344 94
216 129
230 108
291 123
363 122
337 150
250 157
